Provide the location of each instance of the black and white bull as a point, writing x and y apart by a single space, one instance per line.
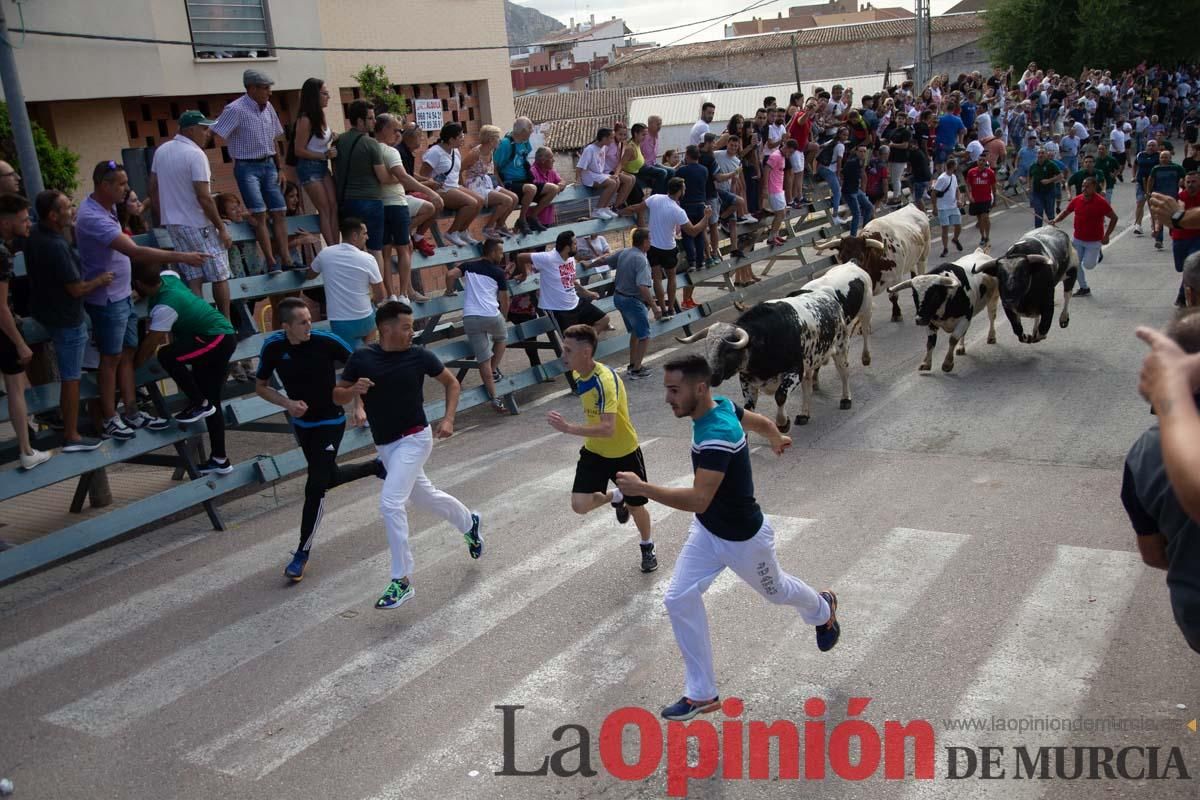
781 341
947 298
890 248
851 286
1028 274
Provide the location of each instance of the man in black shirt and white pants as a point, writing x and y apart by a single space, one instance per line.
389 378
306 362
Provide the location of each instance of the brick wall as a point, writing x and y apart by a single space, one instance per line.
460 103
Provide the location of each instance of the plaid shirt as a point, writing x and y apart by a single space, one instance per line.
249 132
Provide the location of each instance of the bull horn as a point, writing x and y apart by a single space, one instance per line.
825 244
741 339
874 244
903 285
695 337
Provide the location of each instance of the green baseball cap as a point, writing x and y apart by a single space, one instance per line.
190 118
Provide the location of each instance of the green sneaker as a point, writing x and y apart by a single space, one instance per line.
474 537
397 594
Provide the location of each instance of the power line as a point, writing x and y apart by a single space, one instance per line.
104 37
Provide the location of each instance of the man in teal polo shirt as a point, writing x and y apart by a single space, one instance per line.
194 343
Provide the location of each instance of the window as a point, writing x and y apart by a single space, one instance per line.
234 29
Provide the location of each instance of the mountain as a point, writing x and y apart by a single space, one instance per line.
528 24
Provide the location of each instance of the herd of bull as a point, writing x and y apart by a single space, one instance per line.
785 341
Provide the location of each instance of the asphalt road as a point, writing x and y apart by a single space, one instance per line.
969 522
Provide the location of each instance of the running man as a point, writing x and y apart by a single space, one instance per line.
388 376
306 362
610 444
729 529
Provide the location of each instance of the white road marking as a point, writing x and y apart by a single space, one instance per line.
589 665
82 635
259 747
115 707
1044 664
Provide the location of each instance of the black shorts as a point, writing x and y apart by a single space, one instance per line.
593 473
583 314
667 260
977 209
9 365
518 187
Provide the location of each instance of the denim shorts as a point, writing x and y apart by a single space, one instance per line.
949 216
114 326
395 225
69 346
353 331
371 213
634 313
258 181
310 170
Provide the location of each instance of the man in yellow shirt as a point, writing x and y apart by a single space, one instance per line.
610 444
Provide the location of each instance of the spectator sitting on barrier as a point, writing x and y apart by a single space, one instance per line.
425 206
485 305
621 156
512 167
351 279
671 160
104 247
592 247
303 245
244 259
252 132
310 152
478 179
543 173
359 173
14 352
57 290
562 296
592 169
1159 489
193 343
397 212
649 173
443 163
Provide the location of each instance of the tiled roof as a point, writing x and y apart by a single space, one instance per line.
813 37
590 103
576 134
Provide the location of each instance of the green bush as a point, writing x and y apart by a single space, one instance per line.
377 87
60 167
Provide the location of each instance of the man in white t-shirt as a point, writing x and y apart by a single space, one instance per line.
352 280
945 189
180 186
708 112
559 291
593 246
485 309
664 215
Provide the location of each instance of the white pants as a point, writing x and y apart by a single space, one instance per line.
703 557
405 461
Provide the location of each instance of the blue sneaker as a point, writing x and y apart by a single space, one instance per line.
829 633
474 538
685 709
397 594
295 570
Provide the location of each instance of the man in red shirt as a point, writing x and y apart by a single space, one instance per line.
1185 241
1090 210
981 180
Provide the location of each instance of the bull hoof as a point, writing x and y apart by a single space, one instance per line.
947 367
845 404
897 316
923 368
802 419
1064 322
785 427
866 359
991 340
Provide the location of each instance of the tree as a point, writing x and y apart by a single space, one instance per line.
1020 31
377 87
60 167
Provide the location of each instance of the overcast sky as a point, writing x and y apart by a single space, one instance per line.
646 15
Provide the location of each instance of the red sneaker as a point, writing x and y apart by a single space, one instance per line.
425 246
687 304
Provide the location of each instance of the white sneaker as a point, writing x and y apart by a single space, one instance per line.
33 459
842 220
455 238
392 298
747 220
1137 230
470 240
603 213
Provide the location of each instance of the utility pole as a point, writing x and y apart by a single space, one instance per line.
923 40
18 115
796 63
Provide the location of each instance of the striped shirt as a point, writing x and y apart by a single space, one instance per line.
249 131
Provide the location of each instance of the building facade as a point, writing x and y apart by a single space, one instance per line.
99 97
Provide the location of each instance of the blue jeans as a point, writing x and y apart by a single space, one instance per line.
69 346
1072 164
835 187
655 177
693 246
309 170
635 315
114 326
1043 206
861 210
258 182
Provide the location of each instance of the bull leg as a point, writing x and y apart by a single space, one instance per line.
1014 319
1064 319
930 343
806 402
865 328
896 315
958 339
786 382
991 309
1047 319
816 378
749 394
841 360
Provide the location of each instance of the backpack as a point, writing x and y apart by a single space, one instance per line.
825 157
